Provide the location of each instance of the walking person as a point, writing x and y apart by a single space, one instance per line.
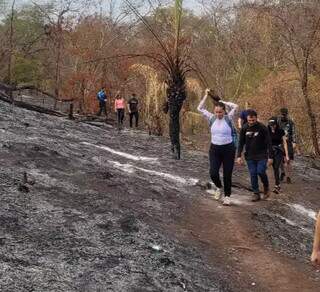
223 144
280 150
254 136
242 120
286 124
119 107
133 108
102 97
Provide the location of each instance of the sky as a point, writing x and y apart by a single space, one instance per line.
190 4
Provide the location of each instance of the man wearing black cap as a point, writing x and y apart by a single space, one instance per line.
286 124
258 153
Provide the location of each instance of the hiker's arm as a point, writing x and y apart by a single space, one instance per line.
315 257
285 146
294 134
268 142
239 123
232 108
201 107
242 136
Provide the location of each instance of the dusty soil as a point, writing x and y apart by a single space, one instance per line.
86 208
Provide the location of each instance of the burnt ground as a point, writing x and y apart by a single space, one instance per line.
86 208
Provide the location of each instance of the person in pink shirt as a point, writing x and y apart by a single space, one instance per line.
119 106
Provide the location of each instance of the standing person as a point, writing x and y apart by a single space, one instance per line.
133 109
280 150
258 153
286 124
102 97
223 144
119 107
243 116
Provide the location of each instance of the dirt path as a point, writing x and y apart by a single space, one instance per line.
229 232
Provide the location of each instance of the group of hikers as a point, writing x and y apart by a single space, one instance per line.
120 107
272 145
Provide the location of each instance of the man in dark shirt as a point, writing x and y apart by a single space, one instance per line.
289 128
102 97
258 153
133 108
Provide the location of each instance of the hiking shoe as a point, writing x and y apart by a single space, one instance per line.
289 180
277 189
266 193
255 197
226 201
216 193
282 176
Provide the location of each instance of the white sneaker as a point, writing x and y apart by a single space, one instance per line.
216 193
226 201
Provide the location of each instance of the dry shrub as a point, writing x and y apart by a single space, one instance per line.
284 90
154 98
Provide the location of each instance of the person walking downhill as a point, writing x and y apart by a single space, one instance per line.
119 107
286 124
223 143
242 120
133 108
258 153
280 150
102 97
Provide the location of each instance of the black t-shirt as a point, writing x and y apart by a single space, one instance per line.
277 136
133 104
257 142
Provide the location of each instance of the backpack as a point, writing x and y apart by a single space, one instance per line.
230 123
101 95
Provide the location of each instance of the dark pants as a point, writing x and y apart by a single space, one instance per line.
258 168
120 115
277 160
136 115
102 108
225 155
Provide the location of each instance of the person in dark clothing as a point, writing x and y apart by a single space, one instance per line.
286 124
133 108
280 150
243 116
102 97
256 139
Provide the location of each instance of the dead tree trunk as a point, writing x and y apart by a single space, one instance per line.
310 113
11 50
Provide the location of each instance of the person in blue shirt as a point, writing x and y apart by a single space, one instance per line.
102 97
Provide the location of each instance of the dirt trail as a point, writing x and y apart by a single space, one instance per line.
229 232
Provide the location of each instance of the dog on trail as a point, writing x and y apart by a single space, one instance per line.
315 257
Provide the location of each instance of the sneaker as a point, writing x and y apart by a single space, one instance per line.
282 176
255 197
277 189
226 201
289 180
266 193
216 193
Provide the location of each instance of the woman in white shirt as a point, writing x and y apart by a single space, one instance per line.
223 144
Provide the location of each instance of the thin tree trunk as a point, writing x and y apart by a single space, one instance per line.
311 115
11 49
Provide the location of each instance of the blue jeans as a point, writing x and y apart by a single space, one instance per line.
258 168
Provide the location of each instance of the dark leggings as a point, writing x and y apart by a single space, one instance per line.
120 114
225 155
277 160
